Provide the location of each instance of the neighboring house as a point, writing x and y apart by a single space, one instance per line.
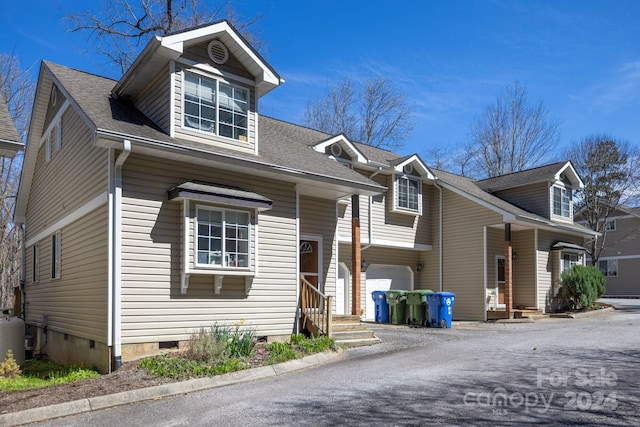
163 202
620 259
10 142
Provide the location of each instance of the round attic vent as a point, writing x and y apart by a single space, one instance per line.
218 52
408 168
336 150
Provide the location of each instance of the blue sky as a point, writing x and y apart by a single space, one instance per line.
450 58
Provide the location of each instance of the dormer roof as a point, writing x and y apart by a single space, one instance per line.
10 142
352 151
548 173
413 160
160 50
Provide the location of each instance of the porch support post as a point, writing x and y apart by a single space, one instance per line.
355 255
508 276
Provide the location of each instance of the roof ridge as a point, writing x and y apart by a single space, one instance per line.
55 64
524 170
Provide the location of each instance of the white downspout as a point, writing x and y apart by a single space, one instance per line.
440 219
369 219
117 256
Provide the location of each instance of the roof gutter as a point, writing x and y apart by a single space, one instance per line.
230 159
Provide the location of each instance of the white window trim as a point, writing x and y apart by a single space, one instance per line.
194 245
217 81
56 254
35 263
610 221
396 194
579 259
564 187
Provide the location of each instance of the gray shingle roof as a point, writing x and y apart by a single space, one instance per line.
281 144
529 176
8 130
471 187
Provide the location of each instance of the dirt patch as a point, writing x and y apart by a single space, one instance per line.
128 377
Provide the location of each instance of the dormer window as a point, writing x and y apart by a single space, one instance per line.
216 107
562 203
408 194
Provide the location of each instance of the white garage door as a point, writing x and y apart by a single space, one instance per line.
383 278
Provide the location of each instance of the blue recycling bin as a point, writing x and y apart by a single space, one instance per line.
440 309
382 307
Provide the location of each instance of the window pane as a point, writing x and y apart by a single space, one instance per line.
199 102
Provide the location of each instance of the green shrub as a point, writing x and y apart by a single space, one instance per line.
582 286
281 352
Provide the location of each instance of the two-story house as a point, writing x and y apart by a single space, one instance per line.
619 261
163 202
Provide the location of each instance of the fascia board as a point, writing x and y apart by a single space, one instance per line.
423 169
341 138
109 139
575 178
46 80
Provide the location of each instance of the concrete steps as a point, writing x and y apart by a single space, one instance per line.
347 331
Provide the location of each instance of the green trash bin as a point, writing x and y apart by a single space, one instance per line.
417 304
397 300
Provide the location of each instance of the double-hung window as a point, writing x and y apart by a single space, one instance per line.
608 267
216 107
408 193
568 261
223 238
610 225
56 250
562 202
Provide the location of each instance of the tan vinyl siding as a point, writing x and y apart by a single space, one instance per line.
391 228
76 303
430 274
545 268
549 266
153 309
58 188
153 100
209 138
463 254
524 266
533 197
318 217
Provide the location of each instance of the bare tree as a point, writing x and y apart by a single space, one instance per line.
610 170
16 90
376 113
512 134
120 28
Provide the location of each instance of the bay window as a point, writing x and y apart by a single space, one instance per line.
223 238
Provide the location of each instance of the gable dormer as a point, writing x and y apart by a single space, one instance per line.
201 85
565 181
339 148
406 191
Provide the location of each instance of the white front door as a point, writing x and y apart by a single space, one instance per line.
383 278
342 290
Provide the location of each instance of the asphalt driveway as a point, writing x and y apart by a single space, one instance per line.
554 371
